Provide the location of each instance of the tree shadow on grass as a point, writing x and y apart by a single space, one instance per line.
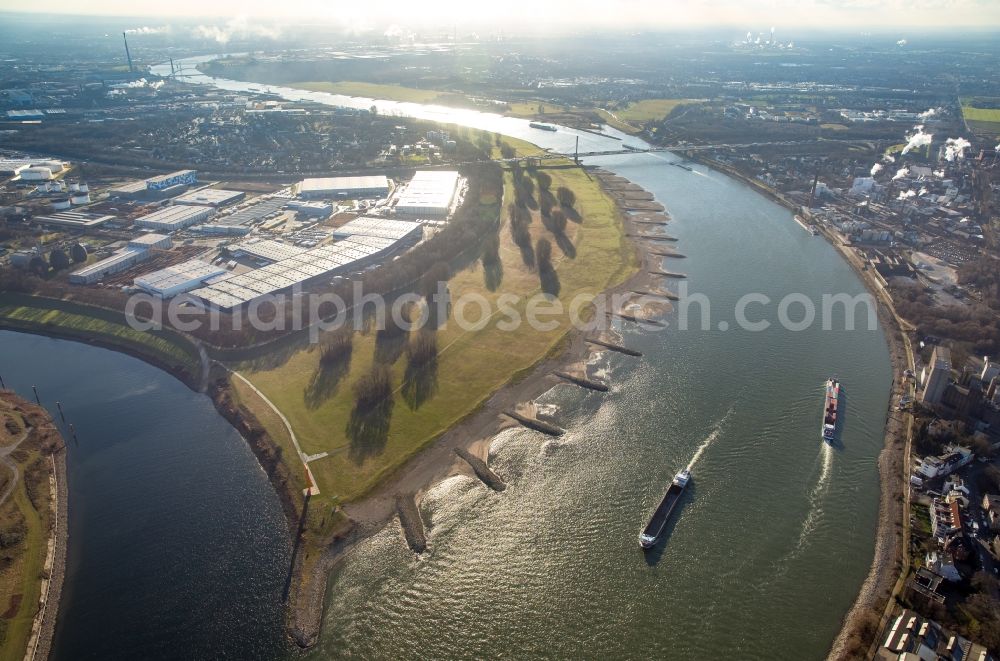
572 215
389 345
550 281
565 245
492 274
324 381
420 382
438 311
527 254
368 429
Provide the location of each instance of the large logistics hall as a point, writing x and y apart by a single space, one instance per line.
429 194
178 278
169 219
397 230
291 265
349 188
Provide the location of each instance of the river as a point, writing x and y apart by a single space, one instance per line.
774 536
770 546
178 548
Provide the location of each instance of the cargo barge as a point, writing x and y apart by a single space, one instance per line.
830 409
653 529
543 127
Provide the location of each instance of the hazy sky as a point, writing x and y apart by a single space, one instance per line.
758 15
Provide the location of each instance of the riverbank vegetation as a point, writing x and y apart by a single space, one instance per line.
96 325
27 517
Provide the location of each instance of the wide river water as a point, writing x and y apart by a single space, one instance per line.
178 548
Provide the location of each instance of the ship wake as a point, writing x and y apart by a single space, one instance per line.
712 435
817 496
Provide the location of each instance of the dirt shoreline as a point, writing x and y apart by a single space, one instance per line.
57 574
856 631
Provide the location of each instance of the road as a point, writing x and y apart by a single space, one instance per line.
313 489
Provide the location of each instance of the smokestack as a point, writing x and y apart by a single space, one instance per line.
172 72
128 56
812 193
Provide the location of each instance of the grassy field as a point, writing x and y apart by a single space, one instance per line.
529 109
372 91
984 121
649 110
57 317
471 364
973 114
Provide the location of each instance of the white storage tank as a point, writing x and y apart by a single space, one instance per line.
36 173
60 204
74 187
80 198
84 188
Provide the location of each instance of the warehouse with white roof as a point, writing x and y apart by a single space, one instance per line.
210 197
173 218
386 228
429 194
297 267
178 278
348 188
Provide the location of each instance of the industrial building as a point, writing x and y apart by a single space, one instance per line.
130 190
73 219
298 267
36 173
221 228
319 209
122 260
179 178
210 197
178 278
157 187
265 249
348 188
429 194
385 228
254 213
173 218
148 241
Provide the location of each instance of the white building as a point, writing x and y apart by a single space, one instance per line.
122 260
955 457
178 278
863 186
73 219
170 219
429 194
348 188
36 173
210 197
147 241
386 228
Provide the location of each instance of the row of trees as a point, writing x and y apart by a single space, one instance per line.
976 326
